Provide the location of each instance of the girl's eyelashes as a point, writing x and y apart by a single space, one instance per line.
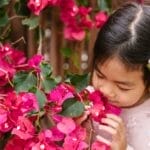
123 89
99 75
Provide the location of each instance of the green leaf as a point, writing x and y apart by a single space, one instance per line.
76 60
32 22
79 81
41 98
82 2
66 52
48 84
21 8
4 2
46 69
104 4
72 108
24 81
3 19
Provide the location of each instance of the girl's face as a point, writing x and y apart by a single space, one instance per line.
122 87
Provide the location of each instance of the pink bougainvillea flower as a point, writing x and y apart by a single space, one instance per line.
112 109
5 50
15 143
3 116
56 134
43 142
28 102
60 93
84 19
11 55
10 109
76 139
100 106
69 10
16 105
83 11
44 146
97 145
6 72
54 2
100 19
17 58
72 33
9 59
97 112
24 128
36 6
66 125
35 61
97 97
74 20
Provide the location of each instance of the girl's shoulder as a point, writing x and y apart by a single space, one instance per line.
137 122
137 110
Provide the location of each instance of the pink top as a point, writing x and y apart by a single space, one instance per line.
137 121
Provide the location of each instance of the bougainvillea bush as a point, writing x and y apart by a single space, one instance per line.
38 112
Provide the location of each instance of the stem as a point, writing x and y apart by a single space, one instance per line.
5 31
15 16
91 134
51 120
39 51
10 82
17 41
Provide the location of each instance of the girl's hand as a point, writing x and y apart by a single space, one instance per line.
115 127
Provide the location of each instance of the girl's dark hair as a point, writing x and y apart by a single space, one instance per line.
126 34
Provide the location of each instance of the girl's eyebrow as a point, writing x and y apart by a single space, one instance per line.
98 70
126 83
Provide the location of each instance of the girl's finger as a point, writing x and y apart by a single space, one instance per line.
110 122
114 117
108 129
101 139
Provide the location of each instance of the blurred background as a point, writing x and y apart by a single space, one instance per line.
63 31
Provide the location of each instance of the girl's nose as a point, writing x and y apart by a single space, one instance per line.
108 92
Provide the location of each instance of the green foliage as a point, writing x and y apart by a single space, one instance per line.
3 18
79 81
24 81
47 81
21 8
31 22
4 3
48 84
72 108
104 5
46 69
82 2
66 52
41 97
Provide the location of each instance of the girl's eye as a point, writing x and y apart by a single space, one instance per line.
123 89
100 76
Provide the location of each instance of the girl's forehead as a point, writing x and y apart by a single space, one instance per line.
117 62
115 69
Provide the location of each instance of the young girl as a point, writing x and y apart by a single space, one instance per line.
120 72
